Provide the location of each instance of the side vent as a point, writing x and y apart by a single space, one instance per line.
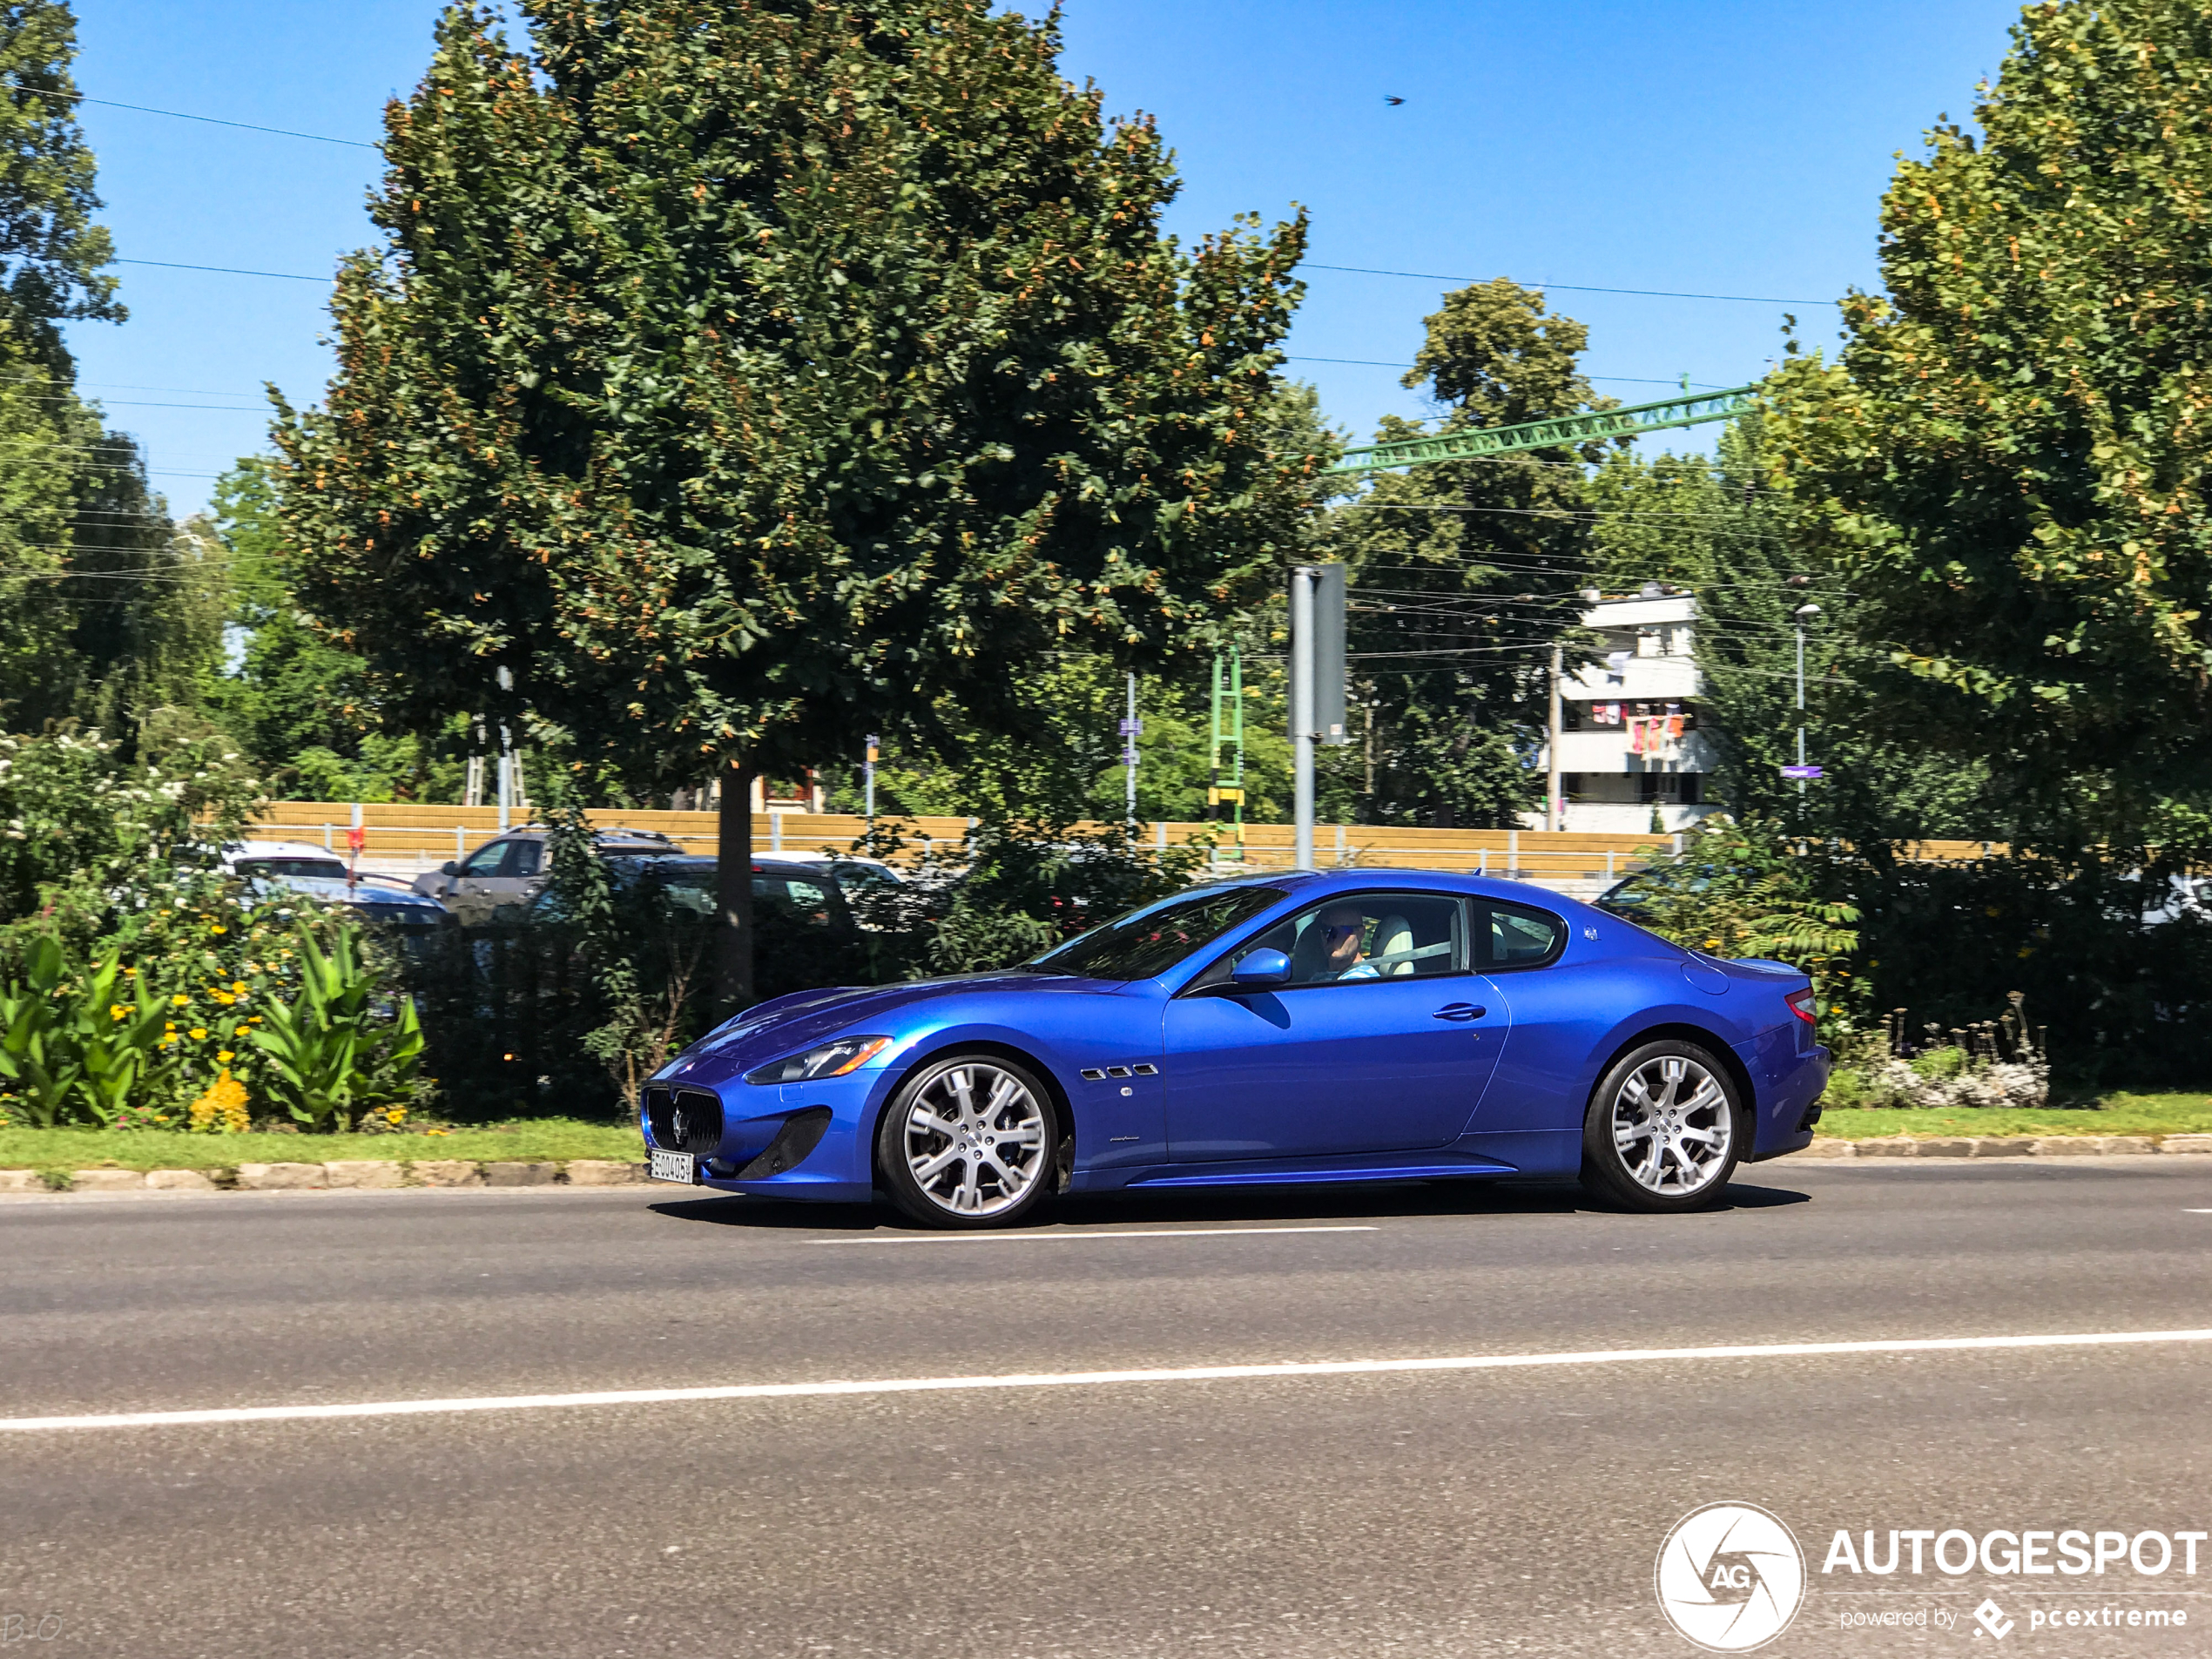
1093 1074
802 1133
1146 1071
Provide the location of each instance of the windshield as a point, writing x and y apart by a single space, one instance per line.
1155 938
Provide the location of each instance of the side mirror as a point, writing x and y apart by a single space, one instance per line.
1261 970
448 868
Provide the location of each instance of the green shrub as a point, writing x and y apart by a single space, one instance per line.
336 1051
70 1052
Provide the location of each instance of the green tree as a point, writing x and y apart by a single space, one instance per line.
1715 528
740 379
106 613
49 248
2008 459
1464 572
298 703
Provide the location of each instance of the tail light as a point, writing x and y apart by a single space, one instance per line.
1801 1004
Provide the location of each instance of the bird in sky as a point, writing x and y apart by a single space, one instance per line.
1388 99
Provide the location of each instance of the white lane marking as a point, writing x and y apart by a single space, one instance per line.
1090 1378
2197 1212
1055 1237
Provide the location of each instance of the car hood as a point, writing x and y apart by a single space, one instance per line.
806 1017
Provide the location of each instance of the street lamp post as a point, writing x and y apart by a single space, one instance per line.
1804 615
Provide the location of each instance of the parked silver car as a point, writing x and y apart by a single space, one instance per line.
510 868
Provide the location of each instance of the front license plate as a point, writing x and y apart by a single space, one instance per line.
672 1166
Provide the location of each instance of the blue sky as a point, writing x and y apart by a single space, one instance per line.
1718 148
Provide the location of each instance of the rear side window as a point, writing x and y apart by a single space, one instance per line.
1511 936
524 858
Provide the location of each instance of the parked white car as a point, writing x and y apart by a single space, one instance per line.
302 867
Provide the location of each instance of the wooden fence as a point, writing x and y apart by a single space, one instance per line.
427 835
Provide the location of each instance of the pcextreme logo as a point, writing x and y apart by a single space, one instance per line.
1730 1577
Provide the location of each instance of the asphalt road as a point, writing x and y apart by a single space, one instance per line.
1431 1513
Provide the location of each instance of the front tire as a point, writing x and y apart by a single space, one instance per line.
970 1142
1664 1129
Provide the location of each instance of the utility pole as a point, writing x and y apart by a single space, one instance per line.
867 776
506 758
1237 717
1803 614
1317 686
1213 748
1302 716
1553 810
1130 727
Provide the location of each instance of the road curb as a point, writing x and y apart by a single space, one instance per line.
348 1175
2005 1146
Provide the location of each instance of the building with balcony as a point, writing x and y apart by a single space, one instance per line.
1631 742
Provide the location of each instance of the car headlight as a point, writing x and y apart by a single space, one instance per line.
831 1059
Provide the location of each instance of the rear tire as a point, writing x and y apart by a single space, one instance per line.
1664 1129
970 1141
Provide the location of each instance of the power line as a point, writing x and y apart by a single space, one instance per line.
72 380
1375 362
1574 287
227 270
179 115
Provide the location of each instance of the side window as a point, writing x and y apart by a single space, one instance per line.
1513 937
1362 936
487 859
526 858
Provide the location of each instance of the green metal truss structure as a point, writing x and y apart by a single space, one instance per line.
1626 422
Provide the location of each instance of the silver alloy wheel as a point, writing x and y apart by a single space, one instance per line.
1672 1127
974 1139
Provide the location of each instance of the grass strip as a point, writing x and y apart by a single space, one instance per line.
2120 1114
541 1140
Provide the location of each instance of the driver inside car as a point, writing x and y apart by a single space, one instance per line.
1342 929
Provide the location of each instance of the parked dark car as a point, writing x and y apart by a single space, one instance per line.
795 891
513 868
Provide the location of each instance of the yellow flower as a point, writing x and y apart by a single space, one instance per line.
181 1000
239 989
218 928
199 1034
223 1107
225 998
225 1055
117 1011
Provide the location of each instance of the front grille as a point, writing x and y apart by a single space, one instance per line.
684 1120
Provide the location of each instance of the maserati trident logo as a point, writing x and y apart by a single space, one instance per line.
678 1131
1730 1577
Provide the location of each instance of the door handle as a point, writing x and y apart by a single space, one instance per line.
1461 1013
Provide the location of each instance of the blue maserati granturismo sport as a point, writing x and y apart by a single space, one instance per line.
1348 1025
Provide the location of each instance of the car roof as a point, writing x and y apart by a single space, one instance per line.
278 850
1368 875
615 832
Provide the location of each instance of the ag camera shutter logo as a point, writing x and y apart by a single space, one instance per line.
1730 1577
